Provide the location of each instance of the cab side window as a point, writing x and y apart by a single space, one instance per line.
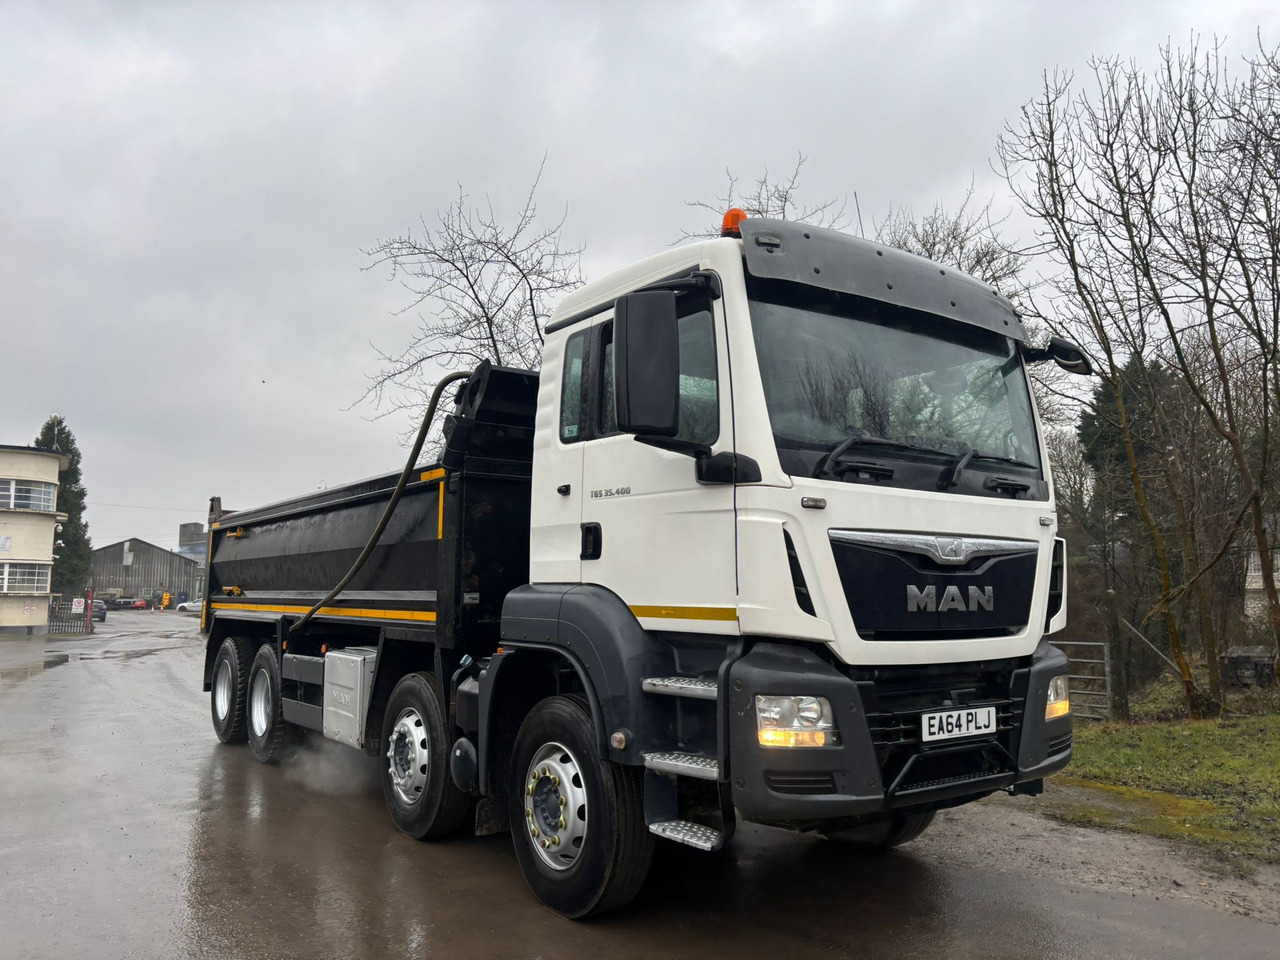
573 411
699 385
608 407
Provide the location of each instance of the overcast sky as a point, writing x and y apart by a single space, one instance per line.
185 188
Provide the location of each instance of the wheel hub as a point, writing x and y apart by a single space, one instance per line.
222 690
409 756
260 703
555 806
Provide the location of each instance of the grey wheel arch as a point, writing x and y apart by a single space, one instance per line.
595 632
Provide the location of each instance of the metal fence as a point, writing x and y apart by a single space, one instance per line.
1090 679
71 615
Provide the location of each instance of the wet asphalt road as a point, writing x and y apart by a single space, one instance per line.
126 830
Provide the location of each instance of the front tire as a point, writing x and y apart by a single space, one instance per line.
884 834
266 726
421 796
577 821
229 689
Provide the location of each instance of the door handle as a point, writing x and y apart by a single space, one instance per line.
591 541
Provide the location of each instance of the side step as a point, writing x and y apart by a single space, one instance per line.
683 765
681 687
689 833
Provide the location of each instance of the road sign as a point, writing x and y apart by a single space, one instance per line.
77 605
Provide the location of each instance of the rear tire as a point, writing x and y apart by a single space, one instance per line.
884 834
229 689
421 796
266 726
602 814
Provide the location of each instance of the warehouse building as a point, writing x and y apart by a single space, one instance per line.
136 568
28 528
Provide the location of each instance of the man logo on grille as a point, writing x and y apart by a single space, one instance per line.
950 548
926 600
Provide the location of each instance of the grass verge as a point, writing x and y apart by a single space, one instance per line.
1215 783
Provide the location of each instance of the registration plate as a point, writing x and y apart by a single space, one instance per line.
954 724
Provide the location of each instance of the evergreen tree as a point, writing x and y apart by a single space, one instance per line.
73 568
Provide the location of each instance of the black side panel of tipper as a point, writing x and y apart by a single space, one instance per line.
488 457
310 550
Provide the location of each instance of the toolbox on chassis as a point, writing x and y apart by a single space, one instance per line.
771 536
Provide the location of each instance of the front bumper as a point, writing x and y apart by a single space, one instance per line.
880 764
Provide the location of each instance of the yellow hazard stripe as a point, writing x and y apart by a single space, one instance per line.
686 613
437 474
425 615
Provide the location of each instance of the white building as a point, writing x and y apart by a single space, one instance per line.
28 518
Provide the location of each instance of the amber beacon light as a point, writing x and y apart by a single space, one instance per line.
731 227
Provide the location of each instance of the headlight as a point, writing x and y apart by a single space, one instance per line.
1059 703
795 722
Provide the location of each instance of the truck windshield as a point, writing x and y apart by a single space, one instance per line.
835 366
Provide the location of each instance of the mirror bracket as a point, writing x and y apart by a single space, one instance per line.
699 451
727 467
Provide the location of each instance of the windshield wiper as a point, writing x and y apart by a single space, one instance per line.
828 463
951 475
1013 461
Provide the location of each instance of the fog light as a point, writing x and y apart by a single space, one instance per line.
1059 703
795 722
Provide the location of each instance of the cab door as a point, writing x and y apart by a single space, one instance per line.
556 497
651 533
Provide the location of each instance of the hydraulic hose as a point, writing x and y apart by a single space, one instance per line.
391 504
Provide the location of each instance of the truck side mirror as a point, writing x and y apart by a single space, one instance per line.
1069 357
646 363
1062 352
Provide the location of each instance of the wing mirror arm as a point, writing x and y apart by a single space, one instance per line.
699 451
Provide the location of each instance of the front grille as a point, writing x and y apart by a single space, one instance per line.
902 729
897 697
902 594
800 783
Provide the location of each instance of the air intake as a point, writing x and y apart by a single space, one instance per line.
803 599
1056 573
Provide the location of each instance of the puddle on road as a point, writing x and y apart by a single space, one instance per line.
56 658
123 654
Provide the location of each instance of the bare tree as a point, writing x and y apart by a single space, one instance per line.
1086 289
768 198
1157 200
483 289
965 237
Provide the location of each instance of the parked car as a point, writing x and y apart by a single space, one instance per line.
139 604
100 611
125 603
191 606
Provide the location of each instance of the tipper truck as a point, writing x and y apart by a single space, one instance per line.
771 536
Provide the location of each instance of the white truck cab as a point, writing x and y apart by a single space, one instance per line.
828 402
